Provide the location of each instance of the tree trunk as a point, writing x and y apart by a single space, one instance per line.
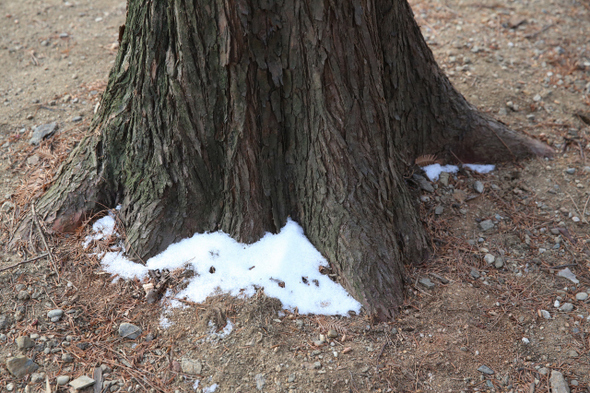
234 115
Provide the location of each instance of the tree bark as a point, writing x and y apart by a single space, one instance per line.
234 115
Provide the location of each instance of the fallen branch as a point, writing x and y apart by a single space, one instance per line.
25 261
51 259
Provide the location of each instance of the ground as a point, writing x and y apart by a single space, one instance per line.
525 62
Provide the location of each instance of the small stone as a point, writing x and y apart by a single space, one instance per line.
42 132
23 295
67 358
444 178
570 171
76 119
439 210
581 296
190 366
566 307
260 381
545 314
317 365
526 341
57 313
499 263
423 183
10 387
82 382
574 382
489 259
20 366
485 369
37 377
543 371
558 384
426 282
24 342
62 380
486 225
394 330
572 354
332 333
478 187
130 331
4 322
474 273
537 98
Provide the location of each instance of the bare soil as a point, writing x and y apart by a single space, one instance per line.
525 62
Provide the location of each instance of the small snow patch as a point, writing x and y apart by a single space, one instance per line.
480 168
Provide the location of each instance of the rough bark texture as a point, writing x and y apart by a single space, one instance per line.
233 115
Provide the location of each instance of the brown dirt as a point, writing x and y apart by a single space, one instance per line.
500 55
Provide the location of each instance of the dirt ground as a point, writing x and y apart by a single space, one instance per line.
494 297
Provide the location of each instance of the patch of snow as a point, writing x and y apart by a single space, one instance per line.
229 326
480 168
286 265
101 228
196 384
433 171
211 388
165 322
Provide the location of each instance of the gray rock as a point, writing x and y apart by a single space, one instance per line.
499 263
10 387
478 187
545 314
42 132
558 384
19 366
423 183
37 377
82 382
24 342
57 313
317 365
566 307
260 381
570 171
426 282
444 178
439 210
62 380
486 225
67 358
581 296
76 119
489 259
190 366
4 322
129 330
23 295
572 354
474 273
485 369
543 371
332 333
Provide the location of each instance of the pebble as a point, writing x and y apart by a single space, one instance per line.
41 132
489 259
37 377
4 322
581 296
426 282
545 314
10 387
62 380
129 330
82 382
423 183
24 342
317 365
191 366
23 295
439 210
486 225
260 381
53 314
67 358
76 119
443 178
570 171
485 369
478 187
566 307
474 273
332 333
572 354
543 371
19 366
499 263
558 384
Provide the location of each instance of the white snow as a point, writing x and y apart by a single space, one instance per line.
286 265
210 389
196 384
433 171
101 228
